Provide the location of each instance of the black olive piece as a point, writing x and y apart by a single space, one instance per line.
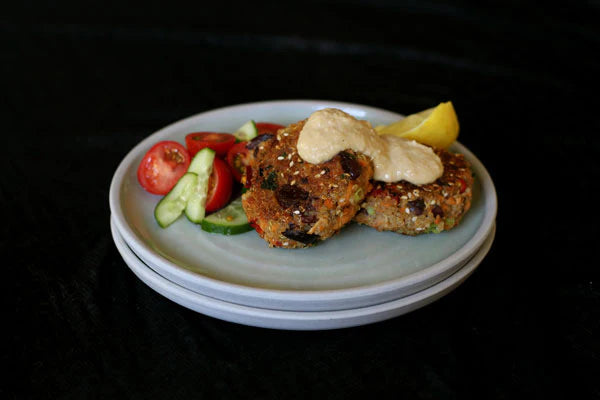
258 140
308 218
350 165
416 206
309 215
291 196
437 210
302 237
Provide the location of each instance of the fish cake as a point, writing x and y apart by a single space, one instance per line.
292 203
410 209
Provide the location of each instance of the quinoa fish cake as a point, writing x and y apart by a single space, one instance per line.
292 203
411 209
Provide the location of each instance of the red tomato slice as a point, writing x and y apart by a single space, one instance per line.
219 142
463 185
267 127
162 166
237 158
220 186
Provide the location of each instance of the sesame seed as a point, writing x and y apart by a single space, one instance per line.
406 210
291 163
261 147
432 202
323 172
286 243
285 133
278 137
403 197
334 185
418 229
296 173
293 182
317 175
414 219
296 212
280 158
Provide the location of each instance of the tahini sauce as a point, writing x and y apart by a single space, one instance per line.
329 131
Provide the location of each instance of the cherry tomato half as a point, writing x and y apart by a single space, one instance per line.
162 166
237 158
267 127
219 142
220 186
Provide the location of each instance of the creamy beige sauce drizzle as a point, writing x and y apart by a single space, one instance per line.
329 131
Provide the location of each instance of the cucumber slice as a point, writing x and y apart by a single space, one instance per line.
201 165
230 220
203 159
170 207
246 132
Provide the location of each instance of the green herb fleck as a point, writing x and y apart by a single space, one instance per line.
357 196
271 182
433 228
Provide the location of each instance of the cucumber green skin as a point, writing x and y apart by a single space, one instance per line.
246 132
225 229
217 222
202 161
180 193
201 165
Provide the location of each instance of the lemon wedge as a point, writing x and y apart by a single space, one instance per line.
437 126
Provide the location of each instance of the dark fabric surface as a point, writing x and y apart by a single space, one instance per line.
82 84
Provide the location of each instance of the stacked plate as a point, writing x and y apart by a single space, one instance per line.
358 277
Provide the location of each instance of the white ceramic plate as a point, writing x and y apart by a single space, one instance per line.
295 320
357 268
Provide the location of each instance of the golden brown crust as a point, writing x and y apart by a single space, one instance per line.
292 203
411 209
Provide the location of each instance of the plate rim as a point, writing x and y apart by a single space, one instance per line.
303 304
296 320
277 294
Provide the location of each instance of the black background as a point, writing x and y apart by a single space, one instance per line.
82 83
